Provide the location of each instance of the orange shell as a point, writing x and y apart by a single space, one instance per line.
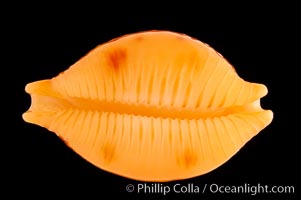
151 106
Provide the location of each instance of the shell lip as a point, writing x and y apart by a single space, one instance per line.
46 100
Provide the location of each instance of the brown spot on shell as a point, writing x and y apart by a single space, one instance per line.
138 38
189 158
116 58
108 152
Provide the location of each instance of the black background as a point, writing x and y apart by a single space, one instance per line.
45 40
